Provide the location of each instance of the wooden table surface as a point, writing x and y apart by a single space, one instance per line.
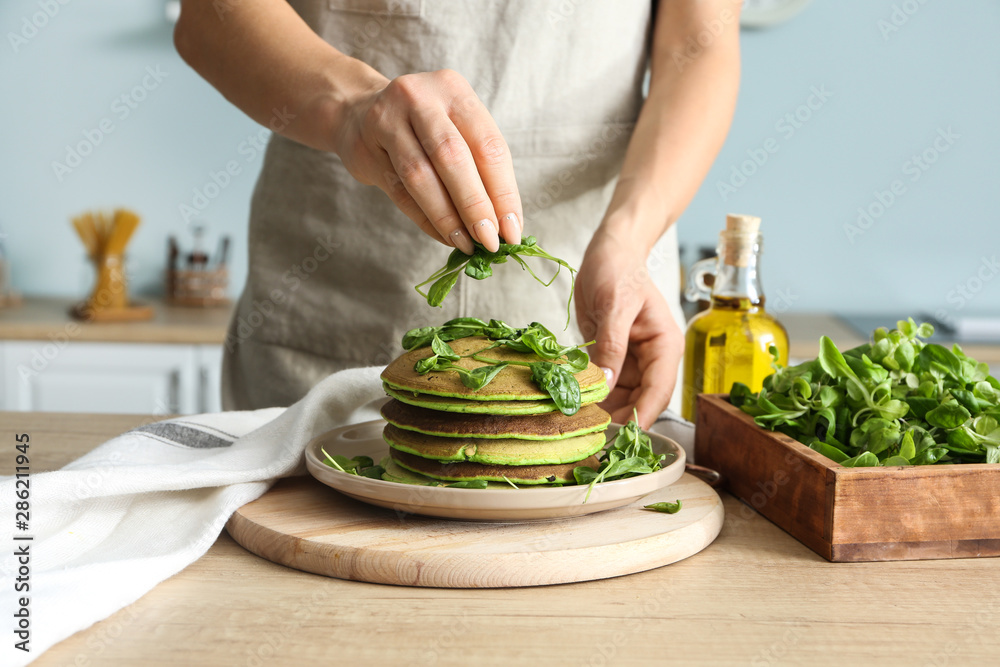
42 318
754 597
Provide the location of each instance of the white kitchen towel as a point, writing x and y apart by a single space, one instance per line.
141 507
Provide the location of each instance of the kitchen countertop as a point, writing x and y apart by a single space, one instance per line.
40 318
43 318
756 596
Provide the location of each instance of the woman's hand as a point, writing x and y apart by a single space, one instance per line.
427 140
639 345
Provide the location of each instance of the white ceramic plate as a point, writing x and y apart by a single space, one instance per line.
480 504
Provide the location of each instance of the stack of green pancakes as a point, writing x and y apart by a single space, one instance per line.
508 431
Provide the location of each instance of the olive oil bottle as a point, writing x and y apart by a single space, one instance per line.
730 341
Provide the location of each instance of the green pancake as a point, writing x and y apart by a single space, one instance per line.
547 426
397 473
466 471
507 452
446 404
512 384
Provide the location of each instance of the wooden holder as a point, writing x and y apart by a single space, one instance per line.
197 288
851 514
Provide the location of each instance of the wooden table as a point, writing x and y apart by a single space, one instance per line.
754 597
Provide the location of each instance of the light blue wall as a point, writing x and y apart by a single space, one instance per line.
889 98
63 82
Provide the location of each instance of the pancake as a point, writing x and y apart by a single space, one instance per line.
547 426
397 473
512 384
446 404
465 471
507 452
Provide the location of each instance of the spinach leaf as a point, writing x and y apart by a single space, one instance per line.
469 484
478 378
665 507
479 266
559 383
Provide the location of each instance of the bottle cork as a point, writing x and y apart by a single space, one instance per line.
742 224
736 243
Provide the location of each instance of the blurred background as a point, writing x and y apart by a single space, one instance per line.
865 137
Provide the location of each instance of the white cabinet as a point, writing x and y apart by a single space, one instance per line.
79 376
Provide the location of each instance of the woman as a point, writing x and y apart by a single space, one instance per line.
476 120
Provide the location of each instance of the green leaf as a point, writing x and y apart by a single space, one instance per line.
372 472
577 360
665 507
829 451
426 365
919 407
907 447
469 484
992 454
895 461
559 383
443 350
865 460
832 360
482 376
947 415
929 456
441 288
740 394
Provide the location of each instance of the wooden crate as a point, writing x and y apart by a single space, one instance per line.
851 514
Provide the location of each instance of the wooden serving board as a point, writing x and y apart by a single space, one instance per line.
851 514
308 526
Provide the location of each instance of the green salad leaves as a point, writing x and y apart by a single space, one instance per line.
629 455
892 402
479 265
555 379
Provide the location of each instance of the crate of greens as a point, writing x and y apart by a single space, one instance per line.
887 451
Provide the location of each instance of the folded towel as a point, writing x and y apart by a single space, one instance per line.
141 507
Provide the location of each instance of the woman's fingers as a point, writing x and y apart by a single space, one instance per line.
392 185
423 184
493 162
453 161
428 141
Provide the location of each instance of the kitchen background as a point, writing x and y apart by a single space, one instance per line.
865 137
838 101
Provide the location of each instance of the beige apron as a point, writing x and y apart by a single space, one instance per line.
333 262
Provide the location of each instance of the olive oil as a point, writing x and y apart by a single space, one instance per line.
730 341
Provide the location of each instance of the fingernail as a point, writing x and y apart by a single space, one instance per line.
609 374
461 240
487 234
510 228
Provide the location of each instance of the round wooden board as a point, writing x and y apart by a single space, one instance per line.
308 526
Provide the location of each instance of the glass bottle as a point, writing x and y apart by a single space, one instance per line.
729 342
